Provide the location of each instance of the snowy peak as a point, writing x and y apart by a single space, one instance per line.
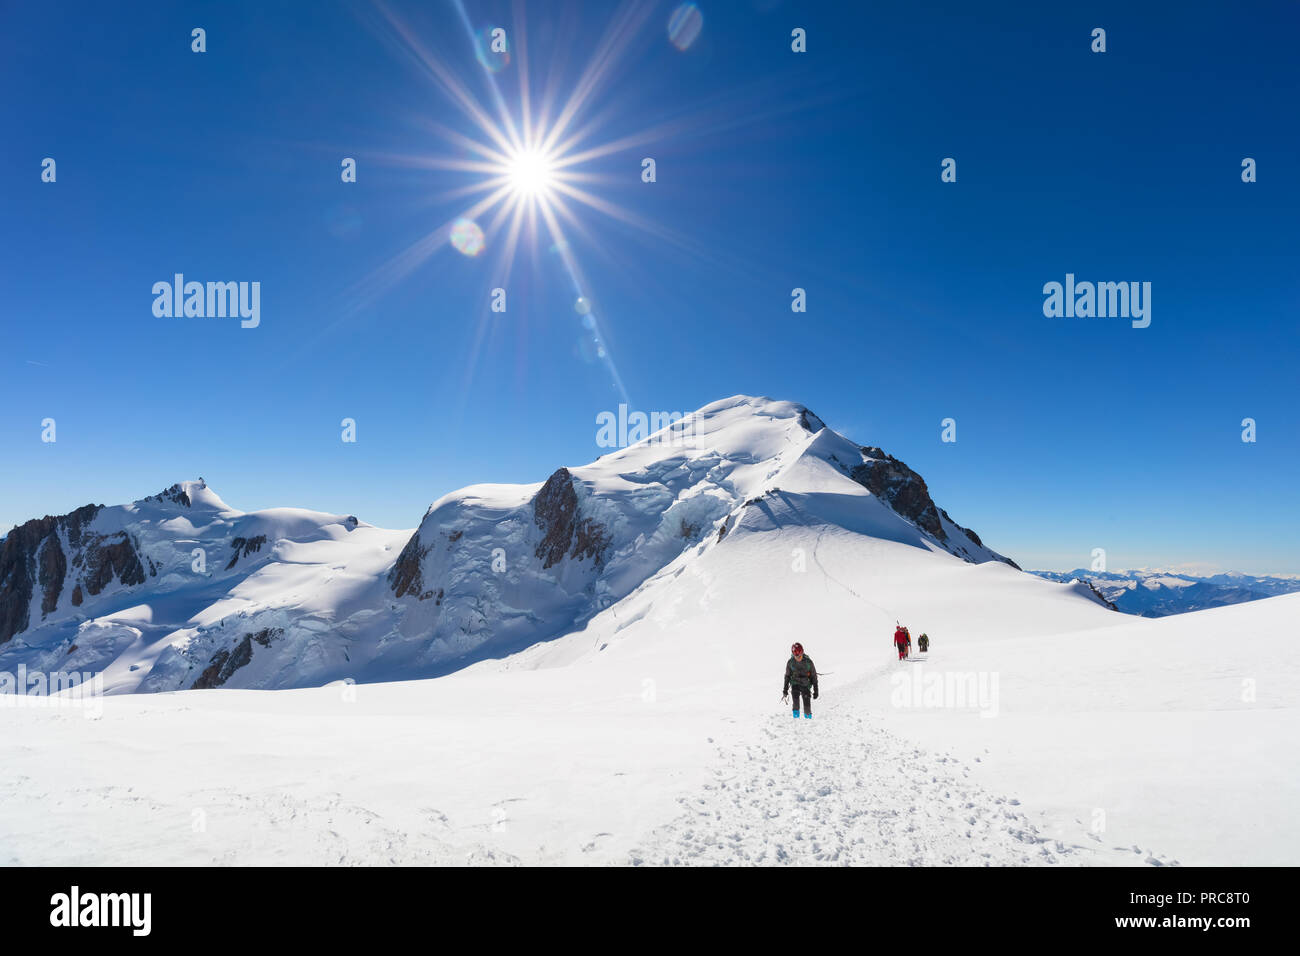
191 495
60 563
179 590
58 573
504 566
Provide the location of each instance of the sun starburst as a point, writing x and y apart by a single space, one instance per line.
524 163
532 173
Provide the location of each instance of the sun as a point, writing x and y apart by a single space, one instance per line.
531 173
530 166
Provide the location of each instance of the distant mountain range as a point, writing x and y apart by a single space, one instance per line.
1156 593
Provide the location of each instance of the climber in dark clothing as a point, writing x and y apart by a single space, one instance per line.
801 677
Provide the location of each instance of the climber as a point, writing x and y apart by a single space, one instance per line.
801 677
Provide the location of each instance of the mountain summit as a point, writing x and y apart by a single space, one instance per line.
60 562
508 565
179 590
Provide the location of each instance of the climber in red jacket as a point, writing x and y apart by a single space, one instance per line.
902 640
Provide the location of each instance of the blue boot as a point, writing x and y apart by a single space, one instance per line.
809 716
796 715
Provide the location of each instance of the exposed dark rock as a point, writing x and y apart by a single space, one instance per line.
27 561
111 556
243 547
903 489
52 568
810 422
554 511
74 522
966 531
1101 597
77 596
564 530
407 576
211 674
266 635
590 540
224 663
175 494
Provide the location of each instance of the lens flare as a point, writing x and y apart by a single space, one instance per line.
492 51
684 26
467 237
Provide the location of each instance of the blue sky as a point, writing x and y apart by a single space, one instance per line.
775 170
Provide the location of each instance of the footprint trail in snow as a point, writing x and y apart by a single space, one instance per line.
839 789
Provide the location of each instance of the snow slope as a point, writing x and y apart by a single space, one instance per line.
656 734
1180 728
652 730
495 568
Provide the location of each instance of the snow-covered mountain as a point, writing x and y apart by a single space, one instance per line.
499 567
1156 593
179 590
176 589
1041 728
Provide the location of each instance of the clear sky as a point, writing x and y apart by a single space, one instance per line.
774 170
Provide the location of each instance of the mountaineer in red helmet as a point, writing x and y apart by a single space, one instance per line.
801 677
902 640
